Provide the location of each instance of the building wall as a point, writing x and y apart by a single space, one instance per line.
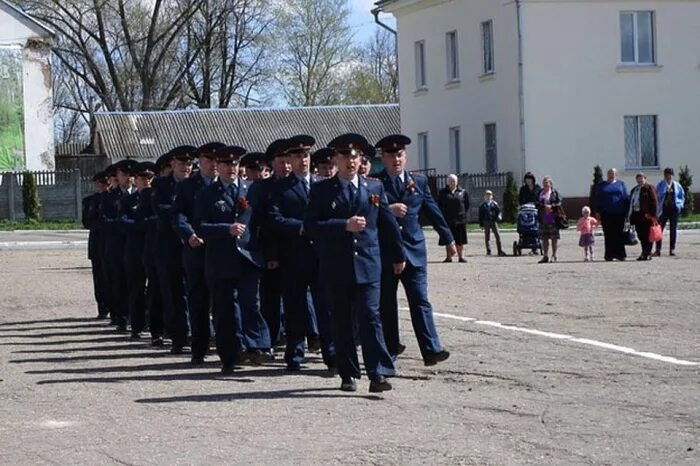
576 95
472 102
37 89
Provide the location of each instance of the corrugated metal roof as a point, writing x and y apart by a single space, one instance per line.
147 135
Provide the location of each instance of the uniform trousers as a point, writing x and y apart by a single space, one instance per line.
118 291
154 302
271 302
170 278
361 300
136 294
238 322
198 303
415 283
100 287
303 296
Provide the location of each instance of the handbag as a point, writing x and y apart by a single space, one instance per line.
561 221
655 232
630 237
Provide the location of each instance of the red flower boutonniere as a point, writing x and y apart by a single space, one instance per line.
242 203
374 199
411 186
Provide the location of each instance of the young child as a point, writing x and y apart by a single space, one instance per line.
489 216
586 226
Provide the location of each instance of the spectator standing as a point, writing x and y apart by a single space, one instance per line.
548 204
671 196
454 203
611 205
642 213
530 190
586 225
489 216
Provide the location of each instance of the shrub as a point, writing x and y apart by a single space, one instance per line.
685 179
30 197
510 199
597 179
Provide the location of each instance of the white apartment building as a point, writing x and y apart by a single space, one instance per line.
550 86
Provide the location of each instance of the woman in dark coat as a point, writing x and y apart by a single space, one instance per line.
530 190
454 203
611 204
642 213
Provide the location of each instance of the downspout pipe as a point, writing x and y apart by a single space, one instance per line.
521 88
375 13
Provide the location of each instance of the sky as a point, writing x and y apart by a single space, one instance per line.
363 21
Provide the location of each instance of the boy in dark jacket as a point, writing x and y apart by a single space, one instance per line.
489 216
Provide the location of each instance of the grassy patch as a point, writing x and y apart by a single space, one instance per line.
7 225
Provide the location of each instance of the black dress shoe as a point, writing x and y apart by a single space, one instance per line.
135 336
227 370
157 341
400 349
314 344
433 358
462 260
197 361
259 356
293 367
121 329
177 349
348 385
102 317
379 385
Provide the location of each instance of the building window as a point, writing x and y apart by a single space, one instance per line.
423 150
487 46
641 149
491 151
637 37
421 80
452 57
456 150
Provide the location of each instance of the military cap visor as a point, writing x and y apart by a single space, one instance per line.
276 149
299 144
349 144
144 169
253 160
183 153
125 166
393 143
230 154
209 150
100 177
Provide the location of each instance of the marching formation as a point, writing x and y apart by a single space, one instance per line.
256 251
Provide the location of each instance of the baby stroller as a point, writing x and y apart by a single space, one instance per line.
528 224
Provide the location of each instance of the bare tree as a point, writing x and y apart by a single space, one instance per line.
315 49
127 52
375 78
228 40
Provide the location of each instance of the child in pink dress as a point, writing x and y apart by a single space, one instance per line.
586 226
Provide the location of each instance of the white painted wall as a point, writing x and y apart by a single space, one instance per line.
576 98
475 100
37 89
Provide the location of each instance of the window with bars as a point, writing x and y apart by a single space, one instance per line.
452 56
487 47
421 78
491 150
637 37
456 150
641 148
423 155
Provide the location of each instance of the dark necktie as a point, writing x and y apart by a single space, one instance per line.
352 195
233 191
305 183
399 185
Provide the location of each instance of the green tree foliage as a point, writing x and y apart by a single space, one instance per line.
375 77
597 179
510 199
30 197
11 118
685 179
